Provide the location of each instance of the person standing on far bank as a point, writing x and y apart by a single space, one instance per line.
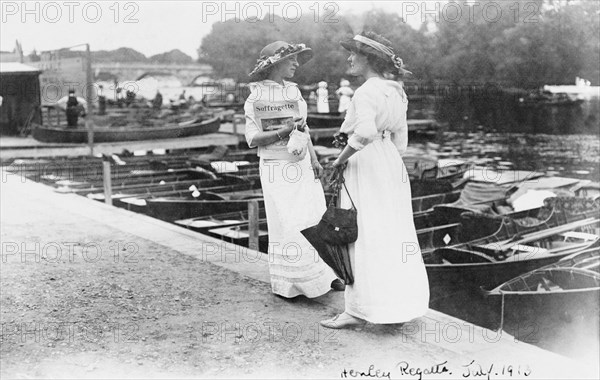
322 98
344 94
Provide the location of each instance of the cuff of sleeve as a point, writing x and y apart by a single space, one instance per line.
249 141
358 142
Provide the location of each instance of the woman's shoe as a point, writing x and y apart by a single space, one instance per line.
338 285
289 299
342 321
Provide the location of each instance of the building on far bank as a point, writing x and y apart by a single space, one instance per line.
21 97
12 56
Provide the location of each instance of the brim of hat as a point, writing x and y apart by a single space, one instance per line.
349 44
352 45
304 56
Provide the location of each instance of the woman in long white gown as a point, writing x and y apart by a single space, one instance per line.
322 98
390 280
344 94
294 198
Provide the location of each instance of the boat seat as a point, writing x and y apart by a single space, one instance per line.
439 228
547 285
520 252
210 196
574 235
458 256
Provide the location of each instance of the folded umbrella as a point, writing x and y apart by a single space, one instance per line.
336 257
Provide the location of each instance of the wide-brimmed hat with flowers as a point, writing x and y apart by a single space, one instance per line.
277 51
366 44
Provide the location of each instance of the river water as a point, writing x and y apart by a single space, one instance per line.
574 156
571 155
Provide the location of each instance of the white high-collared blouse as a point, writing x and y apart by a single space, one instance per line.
270 98
379 105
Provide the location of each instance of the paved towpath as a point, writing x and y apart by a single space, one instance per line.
93 291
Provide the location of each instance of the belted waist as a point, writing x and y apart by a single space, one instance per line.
383 135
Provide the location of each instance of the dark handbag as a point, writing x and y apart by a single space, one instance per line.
338 225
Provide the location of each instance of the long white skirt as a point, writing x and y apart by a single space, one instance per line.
294 200
390 280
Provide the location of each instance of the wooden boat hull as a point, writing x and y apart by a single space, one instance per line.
181 211
334 120
175 188
139 203
324 120
549 303
117 134
544 318
203 224
459 279
464 270
239 235
174 209
129 180
226 105
426 202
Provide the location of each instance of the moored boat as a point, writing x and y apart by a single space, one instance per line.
173 209
78 135
467 267
240 234
481 228
560 296
221 189
204 223
324 120
333 120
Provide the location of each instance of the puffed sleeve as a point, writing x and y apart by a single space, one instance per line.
365 129
400 134
252 127
400 138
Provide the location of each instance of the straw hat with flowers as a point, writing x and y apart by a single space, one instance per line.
277 51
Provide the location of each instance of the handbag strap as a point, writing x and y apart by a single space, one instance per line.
340 181
351 201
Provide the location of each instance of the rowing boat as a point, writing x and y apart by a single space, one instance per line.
79 135
563 295
467 267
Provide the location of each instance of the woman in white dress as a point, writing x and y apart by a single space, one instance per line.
294 198
390 280
322 98
344 94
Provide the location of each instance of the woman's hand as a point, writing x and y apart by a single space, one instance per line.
333 167
300 124
337 164
287 130
317 169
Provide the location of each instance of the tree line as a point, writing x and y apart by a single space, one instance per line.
513 45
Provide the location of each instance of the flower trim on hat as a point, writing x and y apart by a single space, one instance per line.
265 61
387 50
399 64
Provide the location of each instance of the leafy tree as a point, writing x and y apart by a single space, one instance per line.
173 56
536 43
232 47
123 54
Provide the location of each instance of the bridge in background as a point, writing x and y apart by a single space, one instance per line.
132 71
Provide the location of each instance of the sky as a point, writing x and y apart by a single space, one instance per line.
153 27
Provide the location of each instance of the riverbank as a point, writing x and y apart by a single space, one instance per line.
134 297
